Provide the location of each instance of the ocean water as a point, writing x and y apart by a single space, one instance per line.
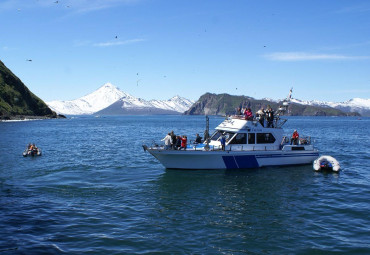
95 191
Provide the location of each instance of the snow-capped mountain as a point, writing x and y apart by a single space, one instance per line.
108 95
136 106
177 103
93 102
359 105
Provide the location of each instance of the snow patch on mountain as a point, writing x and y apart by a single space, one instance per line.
176 103
359 105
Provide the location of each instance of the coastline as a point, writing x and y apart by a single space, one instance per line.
29 118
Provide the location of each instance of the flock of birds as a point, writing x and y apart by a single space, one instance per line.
116 37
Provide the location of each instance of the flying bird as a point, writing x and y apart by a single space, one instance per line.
116 37
29 60
56 2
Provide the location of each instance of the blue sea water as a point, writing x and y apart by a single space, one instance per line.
95 191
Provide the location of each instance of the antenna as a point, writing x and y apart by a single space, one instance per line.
283 108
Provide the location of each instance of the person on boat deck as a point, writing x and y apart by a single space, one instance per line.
198 139
261 116
238 111
167 141
248 114
223 142
295 137
184 140
173 143
269 113
178 142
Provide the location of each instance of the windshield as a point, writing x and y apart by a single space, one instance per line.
217 134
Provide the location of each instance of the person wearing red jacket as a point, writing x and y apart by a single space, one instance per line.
248 114
295 137
184 141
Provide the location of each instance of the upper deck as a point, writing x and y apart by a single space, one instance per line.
237 123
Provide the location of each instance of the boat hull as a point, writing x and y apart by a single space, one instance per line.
231 159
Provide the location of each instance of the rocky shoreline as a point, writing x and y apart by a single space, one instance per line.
30 117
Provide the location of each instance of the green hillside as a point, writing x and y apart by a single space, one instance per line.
17 101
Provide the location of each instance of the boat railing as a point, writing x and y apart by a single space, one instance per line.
303 140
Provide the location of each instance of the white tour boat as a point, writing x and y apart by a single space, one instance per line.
249 144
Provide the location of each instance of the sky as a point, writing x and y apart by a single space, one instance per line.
156 49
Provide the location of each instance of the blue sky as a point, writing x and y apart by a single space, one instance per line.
175 47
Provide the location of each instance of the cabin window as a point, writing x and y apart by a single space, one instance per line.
239 139
215 135
251 138
265 138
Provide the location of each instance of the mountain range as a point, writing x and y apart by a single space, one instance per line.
360 105
225 104
109 100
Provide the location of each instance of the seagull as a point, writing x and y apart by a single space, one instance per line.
29 60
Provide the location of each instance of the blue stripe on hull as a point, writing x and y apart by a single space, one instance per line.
230 162
233 162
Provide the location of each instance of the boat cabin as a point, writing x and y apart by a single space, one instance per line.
242 134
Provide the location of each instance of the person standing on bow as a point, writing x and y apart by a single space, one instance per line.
184 141
173 143
167 141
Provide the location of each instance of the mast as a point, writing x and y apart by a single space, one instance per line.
283 108
206 134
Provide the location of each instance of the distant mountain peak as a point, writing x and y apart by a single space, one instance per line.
108 94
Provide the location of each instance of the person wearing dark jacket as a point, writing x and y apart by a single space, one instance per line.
173 136
198 139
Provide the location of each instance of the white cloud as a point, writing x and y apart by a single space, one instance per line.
304 56
117 43
77 6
